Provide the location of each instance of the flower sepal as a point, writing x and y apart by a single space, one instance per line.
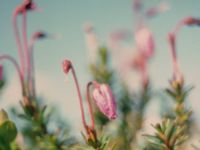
91 137
28 106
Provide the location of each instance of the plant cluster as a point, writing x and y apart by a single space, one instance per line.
116 109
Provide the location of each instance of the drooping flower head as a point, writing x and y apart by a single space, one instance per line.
105 100
191 21
188 21
39 35
137 5
27 5
66 66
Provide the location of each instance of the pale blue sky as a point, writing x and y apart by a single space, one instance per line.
66 17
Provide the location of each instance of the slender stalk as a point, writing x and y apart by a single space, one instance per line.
172 43
13 61
18 42
80 97
90 105
137 7
32 67
26 51
31 71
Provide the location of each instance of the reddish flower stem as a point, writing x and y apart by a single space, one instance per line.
33 40
90 105
32 67
13 61
18 42
79 96
26 51
172 43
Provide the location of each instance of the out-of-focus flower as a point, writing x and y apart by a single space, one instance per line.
105 100
188 21
140 64
153 11
27 5
91 41
145 42
66 66
116 38
39 35
191 21
122 55
1 72
137 5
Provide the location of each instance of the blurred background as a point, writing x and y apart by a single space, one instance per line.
66 18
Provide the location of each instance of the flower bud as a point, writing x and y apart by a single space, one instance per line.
27 5
105 100
39 35
191 21
66 66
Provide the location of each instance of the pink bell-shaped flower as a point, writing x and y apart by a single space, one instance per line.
105 100
145 42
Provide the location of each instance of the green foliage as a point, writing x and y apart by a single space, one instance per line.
179 93
102 143
101 71
169 135
8 131
173 132
36 118
2 83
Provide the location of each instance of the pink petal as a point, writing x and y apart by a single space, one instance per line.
145 41
105 101
110 100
